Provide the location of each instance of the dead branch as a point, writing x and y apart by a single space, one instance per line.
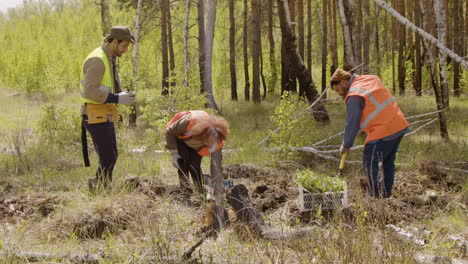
406 234
442 48
419 128
327 139
426 114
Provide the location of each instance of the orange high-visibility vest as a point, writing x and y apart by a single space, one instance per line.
194 116
381 115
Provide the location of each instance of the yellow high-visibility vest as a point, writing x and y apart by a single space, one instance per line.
107 80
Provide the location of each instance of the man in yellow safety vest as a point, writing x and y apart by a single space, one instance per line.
100 93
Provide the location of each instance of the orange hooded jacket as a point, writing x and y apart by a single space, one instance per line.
194 116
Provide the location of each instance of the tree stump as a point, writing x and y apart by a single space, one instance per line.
246 212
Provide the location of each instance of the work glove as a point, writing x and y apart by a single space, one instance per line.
343 149
175 160
127 98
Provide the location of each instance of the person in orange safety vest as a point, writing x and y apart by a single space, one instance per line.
189 136
371 108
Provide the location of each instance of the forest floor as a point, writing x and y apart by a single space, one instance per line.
46 213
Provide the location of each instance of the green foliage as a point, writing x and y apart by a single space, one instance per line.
157 109
293 126
59 126
320 183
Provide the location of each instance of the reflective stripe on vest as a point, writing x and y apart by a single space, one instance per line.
381 115
378 107
107 82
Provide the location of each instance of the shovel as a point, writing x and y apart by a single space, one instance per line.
342 163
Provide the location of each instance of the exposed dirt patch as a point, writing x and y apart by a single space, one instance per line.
269 188
145 186
14 208
392 211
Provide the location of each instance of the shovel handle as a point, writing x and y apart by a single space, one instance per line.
342 161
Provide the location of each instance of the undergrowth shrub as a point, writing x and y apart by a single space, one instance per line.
293 125
59 126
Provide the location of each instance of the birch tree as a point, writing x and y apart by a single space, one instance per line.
209 36
136 35
441 21
105 16
271 42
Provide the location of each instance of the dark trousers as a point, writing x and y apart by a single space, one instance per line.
105 143
189 163
385 152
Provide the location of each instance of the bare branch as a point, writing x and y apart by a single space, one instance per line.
426 114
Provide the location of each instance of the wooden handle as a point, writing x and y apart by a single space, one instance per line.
343 158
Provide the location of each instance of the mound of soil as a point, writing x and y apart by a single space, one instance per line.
145 186
14 208
98 217
249 171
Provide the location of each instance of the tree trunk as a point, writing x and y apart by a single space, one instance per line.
217 178
170 46
441 21
209 36
350 61
232 50
377 50
246 54
309 35
256 50
457 37
357 33
264 84
271 41
401 50
201 43
294 62
417 49
433 72
105 17
245 210
300 22
333 39
165 60
186 37
366 37
324 43
133 110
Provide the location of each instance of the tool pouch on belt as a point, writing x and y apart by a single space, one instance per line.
101 113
